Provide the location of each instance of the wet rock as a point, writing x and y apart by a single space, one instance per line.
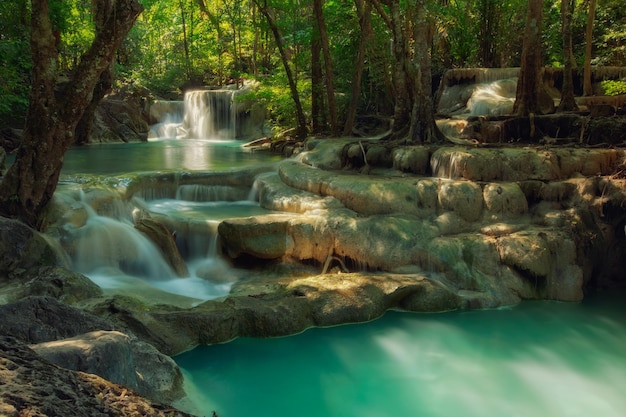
266 238
504 200
522 164
413 159
163 238
278 308
546 260
59 283
463 198
22 249
10 139
41 319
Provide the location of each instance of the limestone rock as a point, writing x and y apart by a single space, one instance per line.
463 198
163 238
504 200
266 238
414 159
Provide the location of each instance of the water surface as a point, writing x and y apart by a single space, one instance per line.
537 359
162 154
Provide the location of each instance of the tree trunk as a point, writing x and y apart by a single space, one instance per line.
423 127
364 11
51 120
587 87
318 118
328 67
301 129
402 102
488 32
185 41
529 83
85 125
103 86
568 102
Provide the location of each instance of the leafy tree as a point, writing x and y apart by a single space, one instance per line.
31 181
14 62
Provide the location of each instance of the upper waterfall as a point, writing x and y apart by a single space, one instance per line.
222 114
209 114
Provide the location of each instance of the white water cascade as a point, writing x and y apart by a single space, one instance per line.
204 114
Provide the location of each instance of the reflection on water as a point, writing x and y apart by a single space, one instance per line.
537 359
164 154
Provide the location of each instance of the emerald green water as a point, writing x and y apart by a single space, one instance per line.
163 154
536 359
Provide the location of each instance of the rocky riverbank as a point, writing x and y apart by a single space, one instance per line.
359 227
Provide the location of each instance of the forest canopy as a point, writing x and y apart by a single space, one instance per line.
178 44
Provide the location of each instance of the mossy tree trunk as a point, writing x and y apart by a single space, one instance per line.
52 118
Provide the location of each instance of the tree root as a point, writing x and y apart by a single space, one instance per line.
329 259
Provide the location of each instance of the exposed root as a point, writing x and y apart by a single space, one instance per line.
331 258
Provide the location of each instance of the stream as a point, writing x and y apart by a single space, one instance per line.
535 359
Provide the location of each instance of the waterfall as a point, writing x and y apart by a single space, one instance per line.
209 114
168 116
108 243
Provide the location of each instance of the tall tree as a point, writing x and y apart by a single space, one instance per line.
423 127
529 82
318 10
401 82
51 120
587 87
364 10
301 129
318 116
568 102
488 27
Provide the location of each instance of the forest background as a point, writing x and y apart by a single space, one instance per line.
179 44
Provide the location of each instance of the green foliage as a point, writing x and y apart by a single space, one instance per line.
274 94
613 87
223 40
15 62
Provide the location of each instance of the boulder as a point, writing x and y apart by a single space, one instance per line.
59 283
33 386
41 319
118 358
164 240
461 197
22 249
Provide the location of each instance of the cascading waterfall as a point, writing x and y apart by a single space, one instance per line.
170 117
103 244
110 243
203 114
209 114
